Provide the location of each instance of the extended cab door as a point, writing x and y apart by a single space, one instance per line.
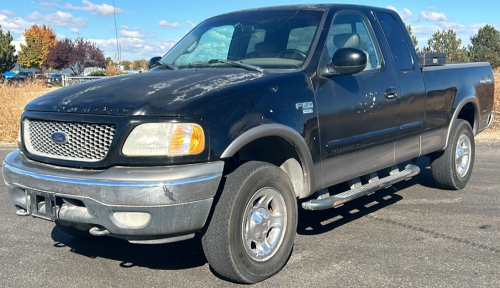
411 85
359 115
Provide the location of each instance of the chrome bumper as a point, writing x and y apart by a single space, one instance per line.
177 198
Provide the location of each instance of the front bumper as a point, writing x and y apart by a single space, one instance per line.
177 198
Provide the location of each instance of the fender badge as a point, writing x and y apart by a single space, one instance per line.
306 107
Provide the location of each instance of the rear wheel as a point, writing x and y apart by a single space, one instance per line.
251 233
452 168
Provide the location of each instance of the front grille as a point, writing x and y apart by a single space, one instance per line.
84 142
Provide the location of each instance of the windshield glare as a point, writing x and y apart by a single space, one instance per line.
277 39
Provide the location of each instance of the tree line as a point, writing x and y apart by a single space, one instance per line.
43 51
484 47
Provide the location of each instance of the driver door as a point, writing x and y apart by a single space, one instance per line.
359 114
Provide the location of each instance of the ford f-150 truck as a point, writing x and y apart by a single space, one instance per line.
247 113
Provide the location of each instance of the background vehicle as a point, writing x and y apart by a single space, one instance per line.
55 78
20 77
248 112
7 75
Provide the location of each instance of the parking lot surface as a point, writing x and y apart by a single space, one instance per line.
409 235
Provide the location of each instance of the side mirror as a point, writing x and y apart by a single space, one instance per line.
347 61
153 61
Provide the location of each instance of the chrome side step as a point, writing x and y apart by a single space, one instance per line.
357 189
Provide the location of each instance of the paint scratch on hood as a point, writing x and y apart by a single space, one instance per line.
68 99
211 84
163 85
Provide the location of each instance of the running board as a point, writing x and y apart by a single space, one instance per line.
358 189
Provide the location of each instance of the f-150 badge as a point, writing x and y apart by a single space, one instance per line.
306 107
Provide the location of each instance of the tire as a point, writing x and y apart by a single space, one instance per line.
452 168
251 233
73 230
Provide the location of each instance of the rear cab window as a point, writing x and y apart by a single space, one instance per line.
396 41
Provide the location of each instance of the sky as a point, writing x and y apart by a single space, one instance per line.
150 28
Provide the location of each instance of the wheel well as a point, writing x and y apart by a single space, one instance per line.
274 150
468 114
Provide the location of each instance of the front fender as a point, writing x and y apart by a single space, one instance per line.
289 135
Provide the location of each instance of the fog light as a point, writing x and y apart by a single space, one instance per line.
131 219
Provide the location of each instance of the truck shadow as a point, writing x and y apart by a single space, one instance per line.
173 256
189 254
317 222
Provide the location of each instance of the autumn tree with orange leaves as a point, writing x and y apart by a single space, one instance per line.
39 40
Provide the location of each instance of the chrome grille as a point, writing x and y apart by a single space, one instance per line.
85 142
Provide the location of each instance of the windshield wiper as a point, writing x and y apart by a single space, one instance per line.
168 65
230 62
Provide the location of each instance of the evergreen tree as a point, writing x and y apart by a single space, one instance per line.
7 58
413 38
446 41
486 46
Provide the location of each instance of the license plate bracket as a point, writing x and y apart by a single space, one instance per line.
41 204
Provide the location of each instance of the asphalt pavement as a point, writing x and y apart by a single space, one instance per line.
409 235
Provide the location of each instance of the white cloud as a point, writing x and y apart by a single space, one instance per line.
131 34
7 13
424 32
46 5
35 16
165 24
460 29
406 14
433 16
14 24
135 48
60 19
75 30
96 9
190 24
125 27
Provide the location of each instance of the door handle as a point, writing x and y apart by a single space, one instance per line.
391 93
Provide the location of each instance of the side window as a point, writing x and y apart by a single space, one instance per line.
301 38
397 41
214 44
351 30
258 36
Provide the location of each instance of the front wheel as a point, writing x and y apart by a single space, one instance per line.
452 168
252 230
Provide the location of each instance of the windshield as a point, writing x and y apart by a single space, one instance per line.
277 39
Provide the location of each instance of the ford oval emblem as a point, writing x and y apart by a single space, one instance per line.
59 137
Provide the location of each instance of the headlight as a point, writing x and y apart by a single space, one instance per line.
165 139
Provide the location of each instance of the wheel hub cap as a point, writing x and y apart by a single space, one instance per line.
462 155
264 224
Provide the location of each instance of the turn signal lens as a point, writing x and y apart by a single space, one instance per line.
197 141
186 139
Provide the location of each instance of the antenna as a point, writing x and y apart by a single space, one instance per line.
116 33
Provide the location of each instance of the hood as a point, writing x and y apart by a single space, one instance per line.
157 93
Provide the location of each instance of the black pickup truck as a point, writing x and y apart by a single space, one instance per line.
248 112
